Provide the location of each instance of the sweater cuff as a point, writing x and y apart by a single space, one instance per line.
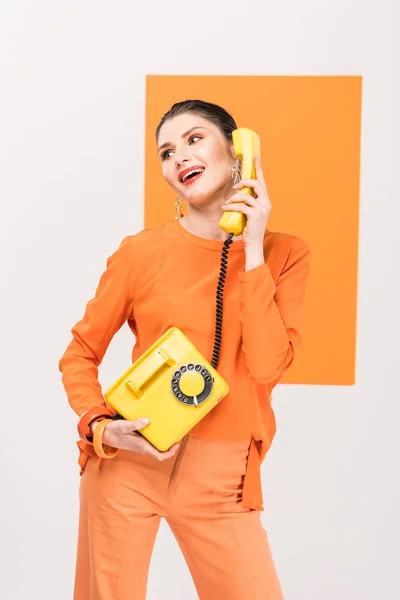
256 275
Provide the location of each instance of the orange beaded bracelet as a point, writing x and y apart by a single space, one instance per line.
98 440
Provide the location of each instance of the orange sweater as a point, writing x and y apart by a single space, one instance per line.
166 276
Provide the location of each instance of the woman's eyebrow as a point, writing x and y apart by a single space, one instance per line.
183 135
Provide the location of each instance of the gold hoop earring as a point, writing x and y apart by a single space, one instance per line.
178 208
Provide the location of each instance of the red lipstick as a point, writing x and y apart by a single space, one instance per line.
193 178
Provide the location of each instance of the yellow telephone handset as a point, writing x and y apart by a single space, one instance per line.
246 144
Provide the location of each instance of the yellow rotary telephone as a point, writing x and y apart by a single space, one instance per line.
172 383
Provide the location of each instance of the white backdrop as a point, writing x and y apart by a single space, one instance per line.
72 137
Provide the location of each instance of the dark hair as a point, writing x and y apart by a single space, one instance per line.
212 112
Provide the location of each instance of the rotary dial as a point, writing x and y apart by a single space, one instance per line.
192 384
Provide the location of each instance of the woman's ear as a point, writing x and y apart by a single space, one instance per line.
232 152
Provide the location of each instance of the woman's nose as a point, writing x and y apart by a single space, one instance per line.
181 157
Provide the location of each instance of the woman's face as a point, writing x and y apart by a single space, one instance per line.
188 141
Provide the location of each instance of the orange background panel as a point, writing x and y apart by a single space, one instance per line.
310 154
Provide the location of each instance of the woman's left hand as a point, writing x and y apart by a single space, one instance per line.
257 210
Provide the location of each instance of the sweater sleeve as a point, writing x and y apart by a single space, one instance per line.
271 314
104 316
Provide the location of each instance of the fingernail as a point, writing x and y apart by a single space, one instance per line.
237 185
145 421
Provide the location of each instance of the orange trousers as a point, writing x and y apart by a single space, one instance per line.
198 492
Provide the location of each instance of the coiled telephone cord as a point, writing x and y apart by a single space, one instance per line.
220 290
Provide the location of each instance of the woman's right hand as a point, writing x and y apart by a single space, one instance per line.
123 434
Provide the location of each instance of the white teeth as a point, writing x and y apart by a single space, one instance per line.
190 172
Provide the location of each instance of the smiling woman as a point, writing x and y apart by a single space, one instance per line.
209 490
196 136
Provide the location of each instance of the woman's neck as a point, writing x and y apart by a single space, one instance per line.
206 228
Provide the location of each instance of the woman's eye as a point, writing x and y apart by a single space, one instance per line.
165 154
